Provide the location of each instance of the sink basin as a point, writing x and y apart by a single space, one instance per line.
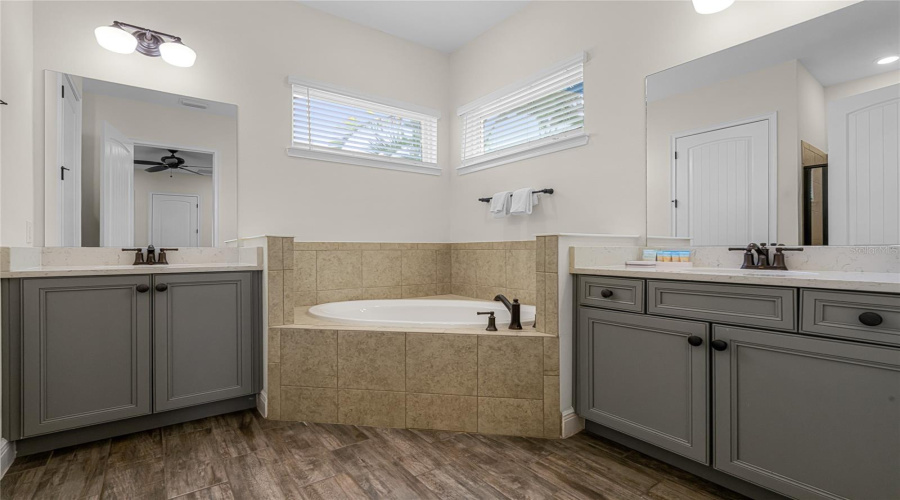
745 272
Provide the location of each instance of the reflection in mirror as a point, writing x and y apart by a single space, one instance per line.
126 166
790 138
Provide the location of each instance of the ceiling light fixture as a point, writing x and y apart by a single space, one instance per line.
888 60
711 6
124 38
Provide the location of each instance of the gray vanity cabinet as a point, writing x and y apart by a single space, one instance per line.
809 417
202 338
85 351
646 377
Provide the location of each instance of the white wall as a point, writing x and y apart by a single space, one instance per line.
811 110
854 87
600 187
245 52
148 123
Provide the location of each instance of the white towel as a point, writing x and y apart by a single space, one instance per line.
523 201
500 204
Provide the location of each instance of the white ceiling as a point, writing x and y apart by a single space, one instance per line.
835 48
441 25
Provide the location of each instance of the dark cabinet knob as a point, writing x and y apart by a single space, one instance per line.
719 345
162 287
695 340
606 293
870 319
142 288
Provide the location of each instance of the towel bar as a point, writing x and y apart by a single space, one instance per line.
544 191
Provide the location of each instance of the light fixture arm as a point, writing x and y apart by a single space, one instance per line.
148 40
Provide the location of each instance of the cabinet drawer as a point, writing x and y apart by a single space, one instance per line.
766 307
846 314
611 293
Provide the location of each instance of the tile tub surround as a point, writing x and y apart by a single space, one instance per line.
493 384
484 270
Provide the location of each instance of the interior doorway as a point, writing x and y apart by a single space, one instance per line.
174 220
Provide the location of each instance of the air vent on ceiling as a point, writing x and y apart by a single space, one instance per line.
193 104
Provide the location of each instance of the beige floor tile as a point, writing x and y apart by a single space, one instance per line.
510 367
309 404
372 408
442 412
442 364
513 417
372 360
309 358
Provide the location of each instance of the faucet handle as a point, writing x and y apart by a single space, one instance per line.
492 321
138 255
162 255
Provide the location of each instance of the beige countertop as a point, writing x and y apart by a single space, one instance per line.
834 280
113 270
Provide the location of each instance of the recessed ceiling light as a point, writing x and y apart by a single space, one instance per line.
888 59
711 6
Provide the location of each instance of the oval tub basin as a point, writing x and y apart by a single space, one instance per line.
419 312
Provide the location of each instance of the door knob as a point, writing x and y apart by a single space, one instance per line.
870 319
695 340
719 345
142 288
606 293
162 287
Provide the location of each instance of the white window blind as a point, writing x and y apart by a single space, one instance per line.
540 115
333 126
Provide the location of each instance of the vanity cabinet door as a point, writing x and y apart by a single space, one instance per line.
202 338
807 417
646 377
85 351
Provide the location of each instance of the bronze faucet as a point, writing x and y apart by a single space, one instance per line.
761 260
515 322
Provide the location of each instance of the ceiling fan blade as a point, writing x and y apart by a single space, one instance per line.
191 171
147 162
158 168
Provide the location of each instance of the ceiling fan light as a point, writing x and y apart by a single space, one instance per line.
177 54
711 6
115 39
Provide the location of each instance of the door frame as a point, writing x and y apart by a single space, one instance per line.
216 178
150 213
60 145
772 118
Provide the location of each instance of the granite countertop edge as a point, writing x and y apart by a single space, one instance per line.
63 271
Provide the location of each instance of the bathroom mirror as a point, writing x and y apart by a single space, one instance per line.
790 138
127 166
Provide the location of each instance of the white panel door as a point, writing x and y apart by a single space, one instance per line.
116 189
863 168
69 154
721 185
174 220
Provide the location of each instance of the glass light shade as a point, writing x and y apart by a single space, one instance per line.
177 54
711 6
888 59
115 39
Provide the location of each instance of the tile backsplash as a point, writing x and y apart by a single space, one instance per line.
484 270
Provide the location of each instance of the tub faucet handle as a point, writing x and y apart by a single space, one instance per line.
492 321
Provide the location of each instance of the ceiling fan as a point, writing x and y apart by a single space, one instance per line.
170 162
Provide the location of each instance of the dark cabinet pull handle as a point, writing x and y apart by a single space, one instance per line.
162 287
695 340
870 319
606 293
142 288
719 345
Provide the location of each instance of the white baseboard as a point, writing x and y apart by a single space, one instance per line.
571 423
7 455
262 403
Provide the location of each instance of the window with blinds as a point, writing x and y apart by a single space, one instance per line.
333 126
538 116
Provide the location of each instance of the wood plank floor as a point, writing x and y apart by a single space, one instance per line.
243 456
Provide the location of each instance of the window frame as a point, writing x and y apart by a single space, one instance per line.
365 159
530 149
